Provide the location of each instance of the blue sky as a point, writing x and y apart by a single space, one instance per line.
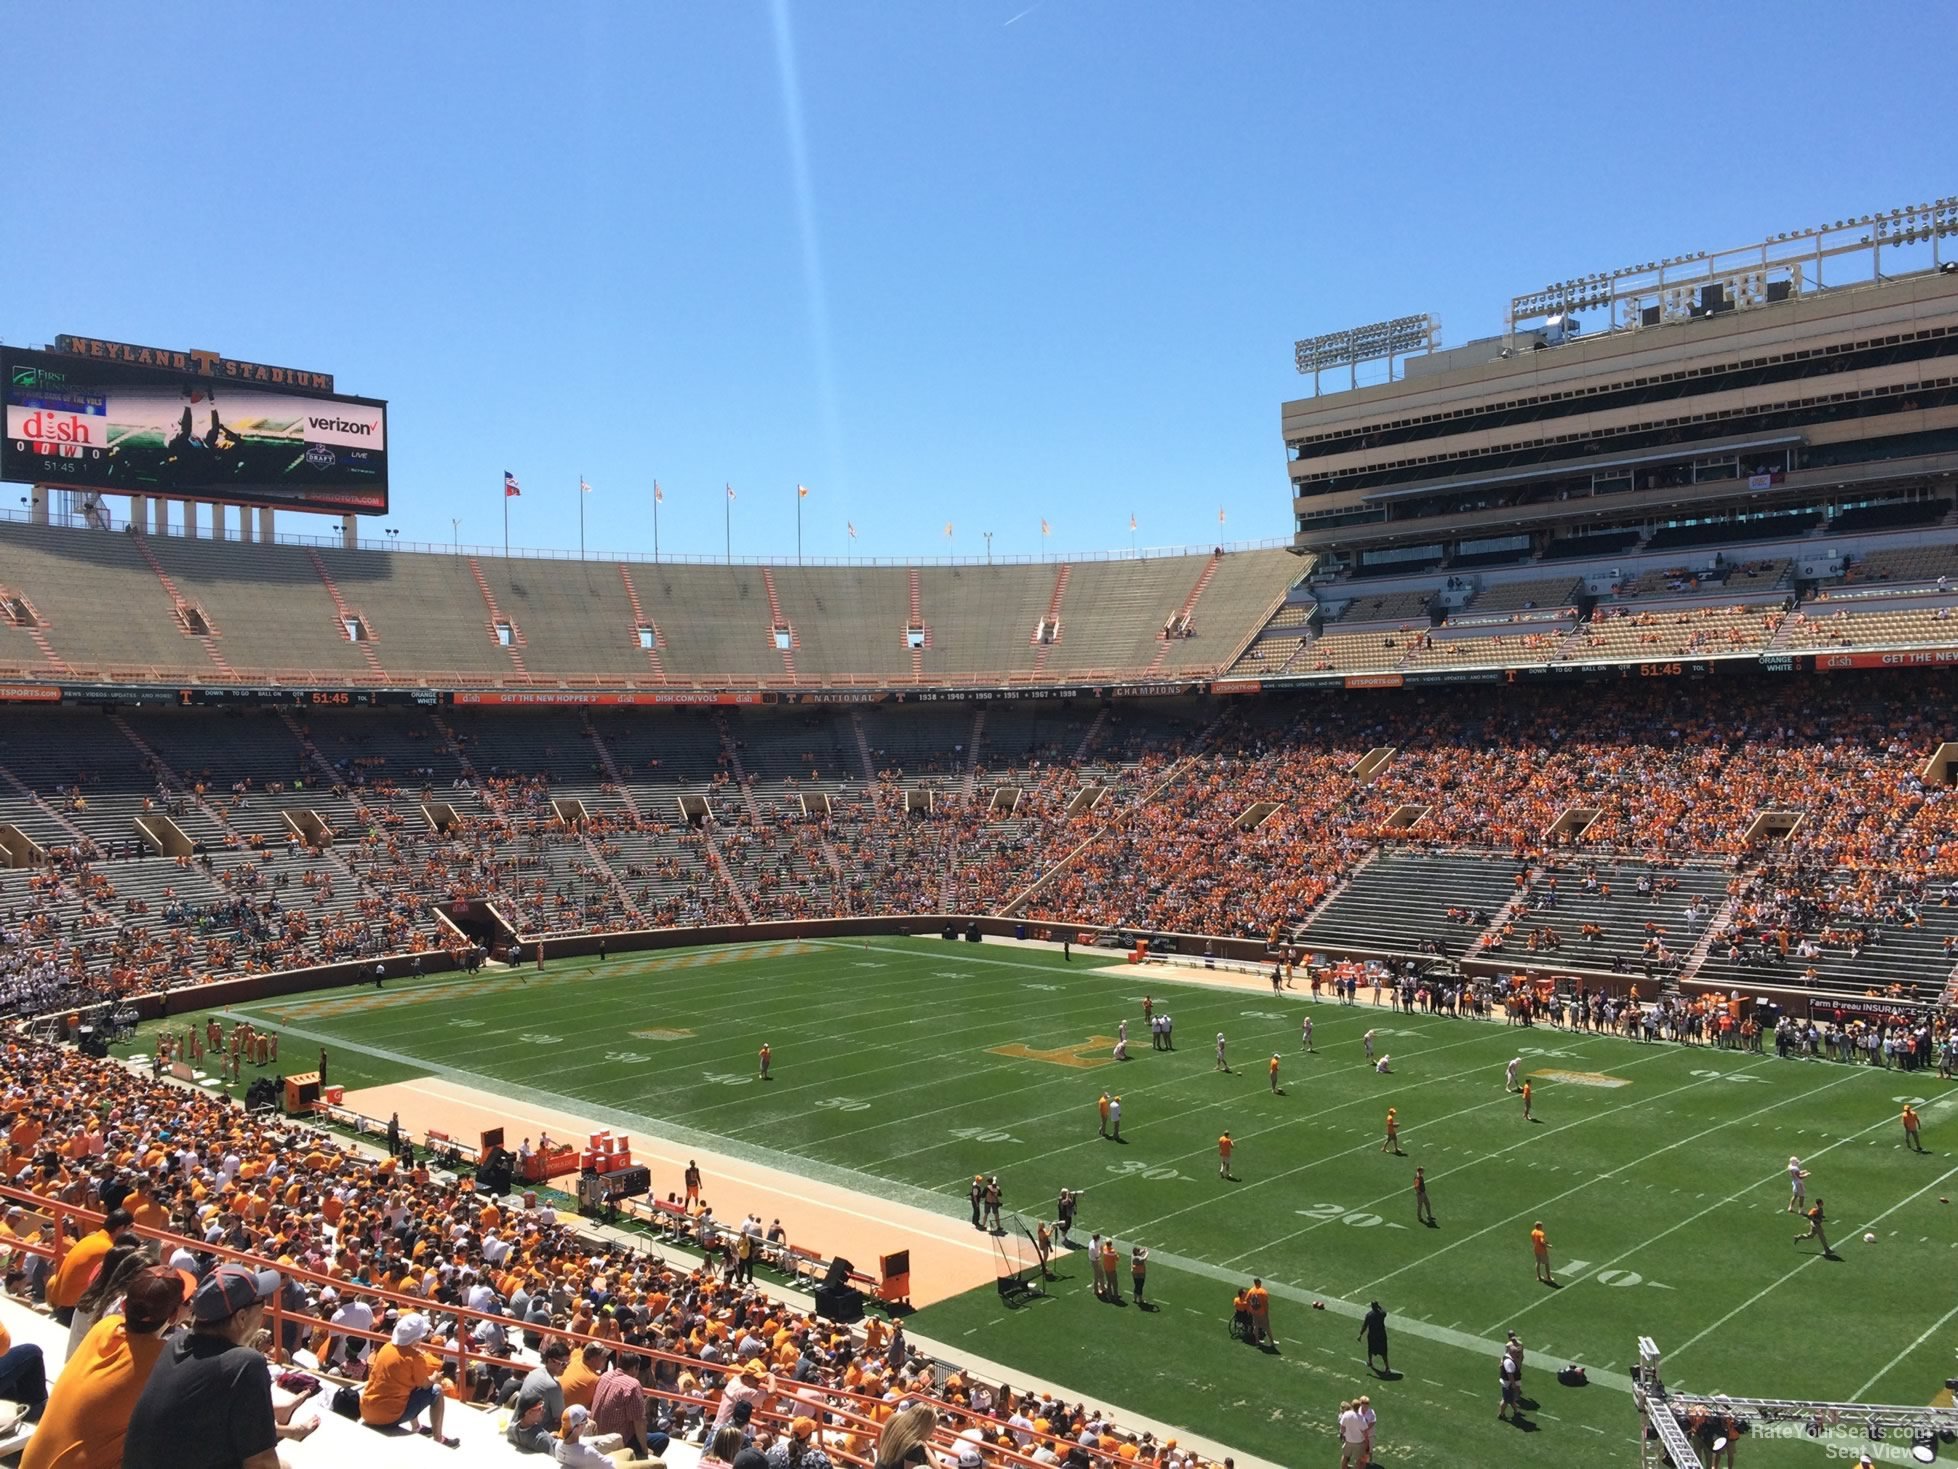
981 263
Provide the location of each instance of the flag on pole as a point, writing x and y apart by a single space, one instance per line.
1131 522
510 485
948 530
659 495
802 492
1220 515
583 488
1045 529
730 492
851 527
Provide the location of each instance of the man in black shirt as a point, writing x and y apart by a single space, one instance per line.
208 1402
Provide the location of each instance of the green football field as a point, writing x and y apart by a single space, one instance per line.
903 1067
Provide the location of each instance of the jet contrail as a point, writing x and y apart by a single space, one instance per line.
1024 13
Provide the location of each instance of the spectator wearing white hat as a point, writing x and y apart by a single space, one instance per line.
404 1381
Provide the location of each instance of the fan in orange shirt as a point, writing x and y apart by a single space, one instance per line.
1540 1247
1393 1142
87 1413
1224 1158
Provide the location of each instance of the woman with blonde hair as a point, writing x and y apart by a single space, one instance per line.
902 1443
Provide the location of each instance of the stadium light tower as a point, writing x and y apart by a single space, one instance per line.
1402 336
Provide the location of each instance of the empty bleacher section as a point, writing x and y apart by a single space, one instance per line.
278 613
100 608
1919 565
851 622
428 615
261 613
1605 543
1362 606
573 616
1413 903
1548 594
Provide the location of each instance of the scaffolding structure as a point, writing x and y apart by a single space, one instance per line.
1666 1439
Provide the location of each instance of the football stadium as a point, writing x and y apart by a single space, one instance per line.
1472 981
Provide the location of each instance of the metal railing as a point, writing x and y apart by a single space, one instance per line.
391 544
852 1412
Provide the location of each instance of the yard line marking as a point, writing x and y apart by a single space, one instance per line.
1718 1203
1771 1286
1930 1331
1446 1173
1578 1188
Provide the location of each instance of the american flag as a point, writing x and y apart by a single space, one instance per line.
583 487
510 485
851 526
730 492
659 495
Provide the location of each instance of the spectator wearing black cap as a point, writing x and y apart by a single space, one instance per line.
87 1414
540 1401
208 1402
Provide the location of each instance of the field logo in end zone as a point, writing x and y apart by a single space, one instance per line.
1581 1078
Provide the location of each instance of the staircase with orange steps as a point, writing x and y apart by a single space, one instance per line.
1041 649
515 646
639 620
777 620
1183 613
182 605
36 630
346 614
918 621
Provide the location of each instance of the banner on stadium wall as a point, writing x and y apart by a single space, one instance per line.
1237 686
29 694
498 700
1895 658
1373 680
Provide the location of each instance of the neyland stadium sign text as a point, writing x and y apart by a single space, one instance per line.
204 364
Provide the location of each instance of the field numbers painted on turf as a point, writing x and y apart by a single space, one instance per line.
1029 985
1618 1277
726 1078
843 1104
1706 1075
627 1058
538 1038
1264 1015
951 974
1552 1055
1357 1218
466 1024
1910 1101
982 1135
1156 1173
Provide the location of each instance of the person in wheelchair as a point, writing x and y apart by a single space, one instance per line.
1241 1315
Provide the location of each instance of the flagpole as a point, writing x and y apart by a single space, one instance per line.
581 517
727 526
798 525
506 522
655 522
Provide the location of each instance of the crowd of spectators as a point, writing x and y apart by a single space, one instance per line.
679 1350
1155 821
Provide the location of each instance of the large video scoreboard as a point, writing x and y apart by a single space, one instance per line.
96 415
